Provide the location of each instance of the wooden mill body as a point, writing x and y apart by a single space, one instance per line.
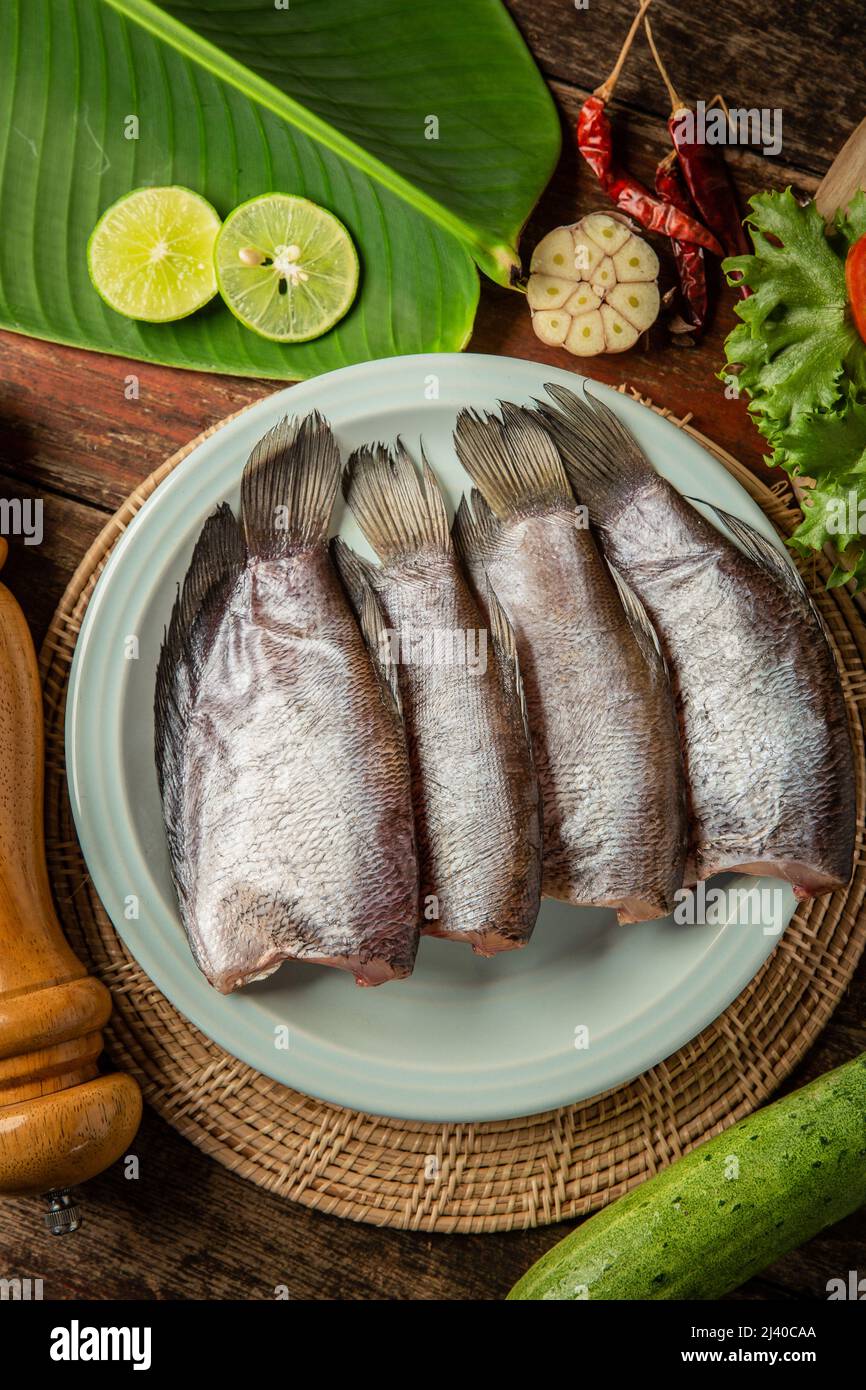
61 1122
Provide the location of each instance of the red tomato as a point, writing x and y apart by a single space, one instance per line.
855 279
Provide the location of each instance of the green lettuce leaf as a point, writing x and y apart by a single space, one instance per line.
802 364
850 224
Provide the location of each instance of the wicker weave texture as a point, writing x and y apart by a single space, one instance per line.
486 1177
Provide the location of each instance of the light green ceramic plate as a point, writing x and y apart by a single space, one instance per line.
464 1038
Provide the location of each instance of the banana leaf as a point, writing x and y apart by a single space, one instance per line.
425 127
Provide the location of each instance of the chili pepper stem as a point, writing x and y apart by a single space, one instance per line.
719 100
677 104
605 91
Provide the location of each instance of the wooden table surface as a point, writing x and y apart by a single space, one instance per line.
188 1228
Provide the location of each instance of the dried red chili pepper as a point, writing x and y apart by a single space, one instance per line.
690 260
704 169
595 142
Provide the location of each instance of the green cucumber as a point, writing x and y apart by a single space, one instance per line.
726 1210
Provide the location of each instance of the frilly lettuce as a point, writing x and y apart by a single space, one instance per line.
802 364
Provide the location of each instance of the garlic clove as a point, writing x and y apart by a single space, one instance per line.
554 254
548 291
604 276
551 326
619 334
638 302
585 256
586 337
636 261
583 300
606 232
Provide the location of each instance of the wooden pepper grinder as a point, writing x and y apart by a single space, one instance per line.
61 1122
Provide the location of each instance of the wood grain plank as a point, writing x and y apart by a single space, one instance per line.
72 435
795 57
68 424
38 574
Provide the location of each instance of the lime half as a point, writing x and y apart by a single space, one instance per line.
286 268
150 255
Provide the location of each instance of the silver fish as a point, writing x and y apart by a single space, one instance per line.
280 751
766 739
600 706
474 786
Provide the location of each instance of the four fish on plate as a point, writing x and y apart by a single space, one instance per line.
582 689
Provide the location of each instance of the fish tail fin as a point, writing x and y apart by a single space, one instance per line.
217 561
400 512
512 460
358 578
599 454
289 487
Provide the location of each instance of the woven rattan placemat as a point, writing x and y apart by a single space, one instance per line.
486 1177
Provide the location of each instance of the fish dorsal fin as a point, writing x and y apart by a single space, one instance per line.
358 578
599 453
512 461
356 573
289 487
505 651
639 622
476 530
380 645
216 564
400 512
760 549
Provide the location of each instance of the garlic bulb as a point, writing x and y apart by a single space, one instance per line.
593 286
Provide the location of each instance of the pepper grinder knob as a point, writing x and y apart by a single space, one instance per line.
61 1121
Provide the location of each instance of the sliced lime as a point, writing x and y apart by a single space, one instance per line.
286 268
150 255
